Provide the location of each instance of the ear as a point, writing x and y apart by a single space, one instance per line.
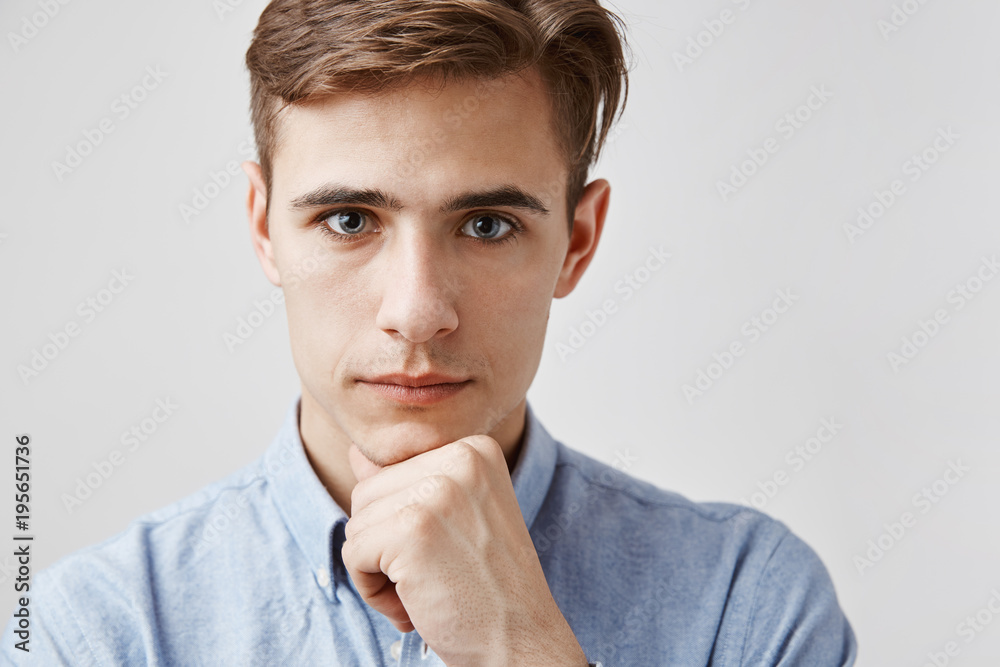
588 223
260 233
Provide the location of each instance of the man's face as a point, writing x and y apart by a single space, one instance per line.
411 284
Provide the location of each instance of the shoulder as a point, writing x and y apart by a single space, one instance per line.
616 505
794 614
614 495
98 600
175 539
739 572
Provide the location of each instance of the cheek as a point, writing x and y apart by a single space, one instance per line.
514 318
325 310
323 328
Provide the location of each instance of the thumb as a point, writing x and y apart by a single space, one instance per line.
379 592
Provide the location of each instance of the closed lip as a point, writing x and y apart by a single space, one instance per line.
414 380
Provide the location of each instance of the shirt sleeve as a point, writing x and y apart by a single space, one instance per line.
55 637
796 619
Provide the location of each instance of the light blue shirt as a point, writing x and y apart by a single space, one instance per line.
248 572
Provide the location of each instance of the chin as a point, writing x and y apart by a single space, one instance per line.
403 441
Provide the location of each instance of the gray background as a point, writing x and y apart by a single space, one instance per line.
619 397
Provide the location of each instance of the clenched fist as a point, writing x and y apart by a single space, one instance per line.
437 543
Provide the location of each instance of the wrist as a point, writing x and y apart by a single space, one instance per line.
554 645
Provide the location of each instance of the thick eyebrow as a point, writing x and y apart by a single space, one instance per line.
509 196
330 194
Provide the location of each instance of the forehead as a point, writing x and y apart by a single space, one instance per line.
422 137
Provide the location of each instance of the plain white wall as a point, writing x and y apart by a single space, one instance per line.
887 93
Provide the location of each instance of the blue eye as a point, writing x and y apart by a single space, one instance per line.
351 222
488 229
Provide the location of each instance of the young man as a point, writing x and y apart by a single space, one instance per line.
421 198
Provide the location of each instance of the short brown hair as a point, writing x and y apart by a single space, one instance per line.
305 49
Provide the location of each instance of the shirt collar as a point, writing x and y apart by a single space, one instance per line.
316 521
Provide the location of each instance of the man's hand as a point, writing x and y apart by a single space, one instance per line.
437 543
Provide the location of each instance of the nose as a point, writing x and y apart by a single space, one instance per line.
418 288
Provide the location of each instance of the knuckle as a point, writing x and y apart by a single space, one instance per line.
492 451
417 518
464 450
468 457
358 498
449 490
437 490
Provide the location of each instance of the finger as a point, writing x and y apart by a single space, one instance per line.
397 476
375 545
467 455
375 587
384 600
384 512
